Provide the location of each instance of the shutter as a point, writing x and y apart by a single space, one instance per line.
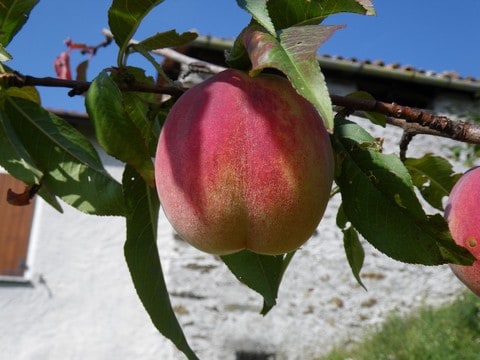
15 225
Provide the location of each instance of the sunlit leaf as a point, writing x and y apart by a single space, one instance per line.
379 200
433 176
258 10
4 54
13 15
24 92
137 109
294 52
116 132
141 254
287 13
262 273
167 39
124 17
27 92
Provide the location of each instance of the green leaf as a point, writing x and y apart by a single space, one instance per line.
149 57
433 176
27 92
144 109
352 245
294 52
24 92
15 159
159 41
261 273
167 39
354 133
116 132
4 54
379 200
237 57
13 15
275 15
287 13
258 10
138 110
143 260
124 17
71 167
354 251
341 220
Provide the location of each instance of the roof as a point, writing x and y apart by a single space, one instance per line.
403 84
448 80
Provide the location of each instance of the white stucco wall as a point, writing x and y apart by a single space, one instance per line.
82 305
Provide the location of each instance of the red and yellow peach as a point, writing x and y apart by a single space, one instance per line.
244 163
462 213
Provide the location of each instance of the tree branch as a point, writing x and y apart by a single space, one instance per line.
413 121
78 87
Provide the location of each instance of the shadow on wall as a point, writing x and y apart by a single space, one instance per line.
246 355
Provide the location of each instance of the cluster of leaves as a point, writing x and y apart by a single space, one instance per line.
377 190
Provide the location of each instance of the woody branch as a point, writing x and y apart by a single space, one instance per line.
413 121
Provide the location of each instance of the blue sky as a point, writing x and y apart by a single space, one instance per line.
430 35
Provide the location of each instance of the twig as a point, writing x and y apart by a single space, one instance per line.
407 137
177 56
79 87
454 129
88 49
417 129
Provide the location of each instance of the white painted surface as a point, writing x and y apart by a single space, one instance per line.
82 304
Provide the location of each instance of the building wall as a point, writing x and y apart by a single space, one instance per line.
81 304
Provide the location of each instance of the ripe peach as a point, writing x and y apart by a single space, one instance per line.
463 215
244 163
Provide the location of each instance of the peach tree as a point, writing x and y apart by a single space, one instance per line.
379 192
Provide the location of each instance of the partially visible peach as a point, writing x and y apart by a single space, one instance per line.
462 213
244 163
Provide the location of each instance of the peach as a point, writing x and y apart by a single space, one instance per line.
462 213
244 163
